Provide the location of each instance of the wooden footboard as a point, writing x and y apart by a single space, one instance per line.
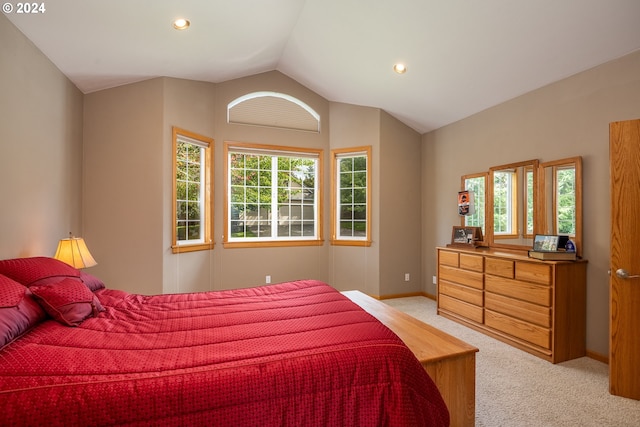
450 362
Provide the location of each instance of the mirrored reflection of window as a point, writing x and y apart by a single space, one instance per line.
561 198
476 184
529 201
565 197
504 202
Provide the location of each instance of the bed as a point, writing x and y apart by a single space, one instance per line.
74 352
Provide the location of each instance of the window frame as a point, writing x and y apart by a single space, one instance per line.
283 151
207 157
336 154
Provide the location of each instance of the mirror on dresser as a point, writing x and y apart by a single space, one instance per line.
537 306
476 183
511 197
516 201
560 199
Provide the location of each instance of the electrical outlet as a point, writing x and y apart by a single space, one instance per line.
267 279
407 277
435 280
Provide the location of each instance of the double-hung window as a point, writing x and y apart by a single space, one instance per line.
192 192
351 196
273 196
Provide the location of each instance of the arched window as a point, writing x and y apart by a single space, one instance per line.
273 109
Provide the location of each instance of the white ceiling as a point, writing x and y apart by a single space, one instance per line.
463 56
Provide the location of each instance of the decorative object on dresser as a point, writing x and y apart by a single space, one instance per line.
553 255
466 205
466 237
546 243
552 248
537 306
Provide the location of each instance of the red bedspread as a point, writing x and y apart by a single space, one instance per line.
297 354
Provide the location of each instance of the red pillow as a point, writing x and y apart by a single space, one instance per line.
18 311
29 271
11 292
91 281
69 301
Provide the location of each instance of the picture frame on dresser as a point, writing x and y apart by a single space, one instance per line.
545 243
466 237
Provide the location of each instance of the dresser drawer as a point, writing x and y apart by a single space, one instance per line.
472 262
499 267
463 293
448 258
519 329
464 277
533 272
461 308
522 310
525 291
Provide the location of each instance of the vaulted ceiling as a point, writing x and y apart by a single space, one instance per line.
463 56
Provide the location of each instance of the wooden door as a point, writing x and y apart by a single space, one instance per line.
624 339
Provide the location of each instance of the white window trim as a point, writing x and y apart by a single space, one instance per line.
274 239
284 96
336 237
206 192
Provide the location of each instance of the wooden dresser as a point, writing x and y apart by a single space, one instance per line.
537 306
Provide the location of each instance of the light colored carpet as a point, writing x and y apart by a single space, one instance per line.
516 389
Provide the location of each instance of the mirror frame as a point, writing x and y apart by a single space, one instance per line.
489 221
541 200
543 197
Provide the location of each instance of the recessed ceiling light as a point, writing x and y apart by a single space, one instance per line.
181 24
400 68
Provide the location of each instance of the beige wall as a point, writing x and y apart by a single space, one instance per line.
240 267
127 198
188 105
123 196
354 267
399 207
40 150
567 118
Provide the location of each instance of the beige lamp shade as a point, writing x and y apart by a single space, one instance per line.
74 252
